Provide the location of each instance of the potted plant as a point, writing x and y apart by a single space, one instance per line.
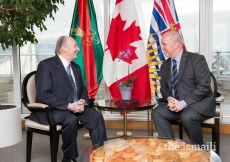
125 87
10 125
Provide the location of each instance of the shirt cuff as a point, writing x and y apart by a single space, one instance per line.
183 103
168 98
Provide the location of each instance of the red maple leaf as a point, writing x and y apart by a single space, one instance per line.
119 39
118 1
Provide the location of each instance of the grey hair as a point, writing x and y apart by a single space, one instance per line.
60 42
176 36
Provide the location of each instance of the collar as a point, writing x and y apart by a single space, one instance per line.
64 61
178 58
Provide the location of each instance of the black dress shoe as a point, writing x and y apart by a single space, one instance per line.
65 159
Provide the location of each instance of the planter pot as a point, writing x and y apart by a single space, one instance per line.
125 91
10 126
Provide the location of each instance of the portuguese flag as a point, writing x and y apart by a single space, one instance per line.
90 58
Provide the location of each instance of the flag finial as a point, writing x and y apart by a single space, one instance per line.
172 26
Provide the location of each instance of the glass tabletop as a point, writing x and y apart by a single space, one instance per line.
140 149
120 105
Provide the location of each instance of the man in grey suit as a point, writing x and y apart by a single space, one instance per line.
59 84
186 90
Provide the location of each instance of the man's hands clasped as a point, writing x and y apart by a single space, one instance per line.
174 105
77 107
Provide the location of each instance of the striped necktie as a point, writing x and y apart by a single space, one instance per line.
174 78
72 83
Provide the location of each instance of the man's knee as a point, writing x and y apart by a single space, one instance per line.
157 112
154 113
71 121
187 118
98 115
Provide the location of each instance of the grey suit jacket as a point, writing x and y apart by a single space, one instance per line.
193 83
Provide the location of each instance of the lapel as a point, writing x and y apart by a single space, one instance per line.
62 70
75 75
183 61
168 70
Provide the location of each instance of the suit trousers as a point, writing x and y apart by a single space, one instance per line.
91 120
189 117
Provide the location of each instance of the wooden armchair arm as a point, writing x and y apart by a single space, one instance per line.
37 106
218 101
47 109
161 99
217 113
91 103
50 118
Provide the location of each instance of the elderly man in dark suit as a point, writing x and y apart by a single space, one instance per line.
185 86
59 84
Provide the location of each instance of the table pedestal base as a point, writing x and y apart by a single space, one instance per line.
121 134
155 135
86 136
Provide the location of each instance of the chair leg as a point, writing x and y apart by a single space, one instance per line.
53 147
29 138
216 139
180 131
58 136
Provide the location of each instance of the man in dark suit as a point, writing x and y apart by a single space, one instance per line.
185 89
56 84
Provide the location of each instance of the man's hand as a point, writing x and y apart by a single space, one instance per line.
82 101
174 105
77 107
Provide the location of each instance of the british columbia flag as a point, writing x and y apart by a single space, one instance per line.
164 18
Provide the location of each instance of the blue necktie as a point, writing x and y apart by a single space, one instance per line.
72 83
174 78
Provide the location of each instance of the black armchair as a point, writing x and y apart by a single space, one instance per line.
52 130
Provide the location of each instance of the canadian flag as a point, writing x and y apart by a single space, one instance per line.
125 55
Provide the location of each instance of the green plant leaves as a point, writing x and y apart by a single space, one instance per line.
128 82
17 19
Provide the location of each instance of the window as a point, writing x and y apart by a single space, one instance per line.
6 75
221 39
189 21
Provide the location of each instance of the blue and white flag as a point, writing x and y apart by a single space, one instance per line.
164 18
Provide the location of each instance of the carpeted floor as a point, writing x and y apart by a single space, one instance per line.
41 150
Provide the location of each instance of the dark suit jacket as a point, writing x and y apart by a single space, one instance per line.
54 88
193 83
